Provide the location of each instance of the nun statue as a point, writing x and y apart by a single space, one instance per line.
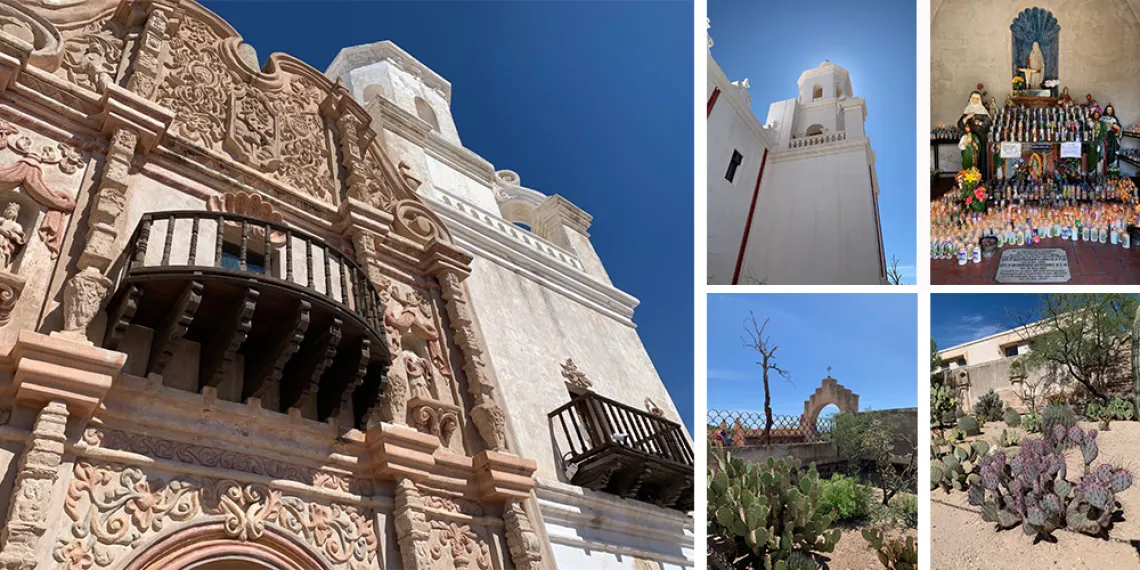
976 115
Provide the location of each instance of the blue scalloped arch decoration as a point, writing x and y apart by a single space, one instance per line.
1036 25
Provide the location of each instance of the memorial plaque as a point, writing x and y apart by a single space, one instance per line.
1033 265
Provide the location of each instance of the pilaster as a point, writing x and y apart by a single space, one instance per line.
32 492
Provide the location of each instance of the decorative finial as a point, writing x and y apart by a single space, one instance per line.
829 372
574 376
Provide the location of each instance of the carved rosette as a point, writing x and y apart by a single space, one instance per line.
115 509
82 297
32 491
523 542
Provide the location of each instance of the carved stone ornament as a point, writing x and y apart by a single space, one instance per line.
91 54
412 528
254 206
455 545
273 124
215 457
575 377
82 296
27 175
435 418
11 286
32 491
115 508
523 542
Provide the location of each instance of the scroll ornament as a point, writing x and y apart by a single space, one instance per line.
114 509
27 174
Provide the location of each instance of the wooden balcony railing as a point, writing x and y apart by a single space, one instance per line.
621 449
243 247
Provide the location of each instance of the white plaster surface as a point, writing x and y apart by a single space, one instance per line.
815 219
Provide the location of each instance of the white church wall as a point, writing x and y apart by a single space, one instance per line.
728 202
970 43
595 531
819 203
530 331
822 114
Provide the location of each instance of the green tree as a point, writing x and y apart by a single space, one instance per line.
1083 336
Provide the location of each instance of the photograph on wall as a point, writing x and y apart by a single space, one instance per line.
1034 431
1034 142
812 431
810 123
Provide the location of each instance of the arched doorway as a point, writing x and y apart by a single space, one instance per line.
829 392
208 547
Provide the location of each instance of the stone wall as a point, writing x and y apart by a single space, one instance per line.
971 43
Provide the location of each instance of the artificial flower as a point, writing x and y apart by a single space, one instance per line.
969 199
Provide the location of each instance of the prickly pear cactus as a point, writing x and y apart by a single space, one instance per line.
955 467
770 510
894 553
1032 488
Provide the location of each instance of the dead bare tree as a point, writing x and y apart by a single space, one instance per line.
757 342
894 276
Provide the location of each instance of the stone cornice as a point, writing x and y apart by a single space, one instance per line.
728 92
368 54
540 261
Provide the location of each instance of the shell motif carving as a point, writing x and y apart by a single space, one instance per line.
114 509
254 206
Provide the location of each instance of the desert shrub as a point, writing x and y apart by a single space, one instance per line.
1055 414
1121 409
989 407
905 508
1011 418
969 425
1032 488
1094 410
845 496
1031 422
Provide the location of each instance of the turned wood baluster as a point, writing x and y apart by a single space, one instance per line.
289 255
309 263
327 262
218 241
169 240
193 242
268 255
144 238
244 245
342 268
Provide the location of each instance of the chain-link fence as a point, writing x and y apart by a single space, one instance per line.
733 428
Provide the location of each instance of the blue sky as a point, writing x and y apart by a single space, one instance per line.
869 340
959 318
589 100
772 43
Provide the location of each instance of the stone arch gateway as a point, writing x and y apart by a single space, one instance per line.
829 392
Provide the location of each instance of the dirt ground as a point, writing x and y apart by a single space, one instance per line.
961 540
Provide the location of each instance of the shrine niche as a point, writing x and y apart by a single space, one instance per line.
1036 37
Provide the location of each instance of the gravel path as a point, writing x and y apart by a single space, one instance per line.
961 540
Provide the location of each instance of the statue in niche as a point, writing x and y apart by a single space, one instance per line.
1036 46
978 118
1036 63
12 236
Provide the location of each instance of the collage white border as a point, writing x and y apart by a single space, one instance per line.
922 289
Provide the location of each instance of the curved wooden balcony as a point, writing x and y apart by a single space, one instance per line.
611 447
303 316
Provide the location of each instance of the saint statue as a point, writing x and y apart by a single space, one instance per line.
969 147
976 115
11 235
1098 148
1111 128
1036 62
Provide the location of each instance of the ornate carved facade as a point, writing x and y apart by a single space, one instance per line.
260 336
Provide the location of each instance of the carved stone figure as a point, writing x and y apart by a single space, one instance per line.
575 377
12 236
82 296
